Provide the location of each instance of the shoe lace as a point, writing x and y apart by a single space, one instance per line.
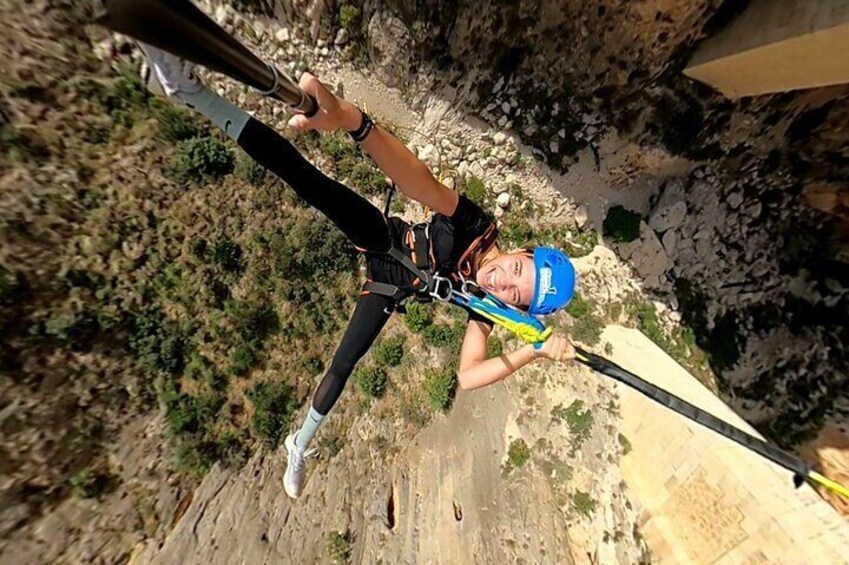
299 457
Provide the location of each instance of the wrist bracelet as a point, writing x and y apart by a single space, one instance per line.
361 133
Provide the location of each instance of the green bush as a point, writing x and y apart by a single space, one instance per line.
390 351
371 380
441 335
578 307
92 482
186 413
59 326
310 365
8 284
79 332
201 159
335 146
127 99
517 455
494 347
199 247
242 359
580 244
197 453
274 403
320 249
348 16
220 292
625 443
580 423
228 255
367 178
583 503
331 443
588 329
516 231
339 547
191 456
440 385
621 225
418 317
176 124
23 143
645 315
157 343
255 323
250 171
202 370
475 190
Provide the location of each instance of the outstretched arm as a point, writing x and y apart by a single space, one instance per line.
394 159
477 371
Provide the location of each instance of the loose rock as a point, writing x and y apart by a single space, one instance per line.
581 216
282 35
342 37
668 217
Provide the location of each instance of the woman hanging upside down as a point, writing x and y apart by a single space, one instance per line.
459 241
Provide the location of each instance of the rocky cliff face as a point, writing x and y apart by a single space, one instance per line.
732 236
759 265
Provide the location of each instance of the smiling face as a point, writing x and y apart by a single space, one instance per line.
509 277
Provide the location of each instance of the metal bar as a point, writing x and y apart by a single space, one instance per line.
179 27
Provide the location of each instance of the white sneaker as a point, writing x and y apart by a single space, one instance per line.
167 74
296 468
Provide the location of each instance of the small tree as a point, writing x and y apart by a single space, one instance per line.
418 317
621 224
201 159
274 403
440 385
371 380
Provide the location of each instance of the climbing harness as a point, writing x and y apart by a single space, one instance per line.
801 469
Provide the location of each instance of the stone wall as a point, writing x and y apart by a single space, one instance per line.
702 498
777 47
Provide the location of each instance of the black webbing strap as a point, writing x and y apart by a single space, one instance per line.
396 293
389 194
402 258
421 246
384 289
779 457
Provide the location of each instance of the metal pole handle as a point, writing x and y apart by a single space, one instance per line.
179 27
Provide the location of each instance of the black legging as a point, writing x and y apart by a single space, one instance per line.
358 219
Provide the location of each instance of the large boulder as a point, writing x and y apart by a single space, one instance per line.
647 256
390 48
668 217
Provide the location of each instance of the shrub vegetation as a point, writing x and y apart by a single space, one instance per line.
274 404
621 225
440 386
201 159
418 317
371 380
390 351
517 455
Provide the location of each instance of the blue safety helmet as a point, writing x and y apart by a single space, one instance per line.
554 286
